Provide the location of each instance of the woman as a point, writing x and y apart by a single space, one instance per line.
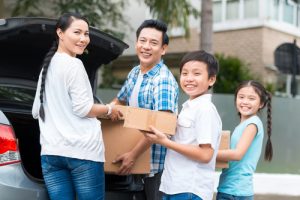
72 149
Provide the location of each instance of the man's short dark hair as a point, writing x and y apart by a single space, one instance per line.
158 25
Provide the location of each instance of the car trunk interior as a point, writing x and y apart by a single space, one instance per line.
27 133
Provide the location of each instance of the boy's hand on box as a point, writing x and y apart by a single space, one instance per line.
156 136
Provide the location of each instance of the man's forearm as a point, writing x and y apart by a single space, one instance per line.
116 101
141 147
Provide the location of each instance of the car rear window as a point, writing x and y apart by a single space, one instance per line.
17 94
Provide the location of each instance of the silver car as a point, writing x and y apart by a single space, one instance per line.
23 45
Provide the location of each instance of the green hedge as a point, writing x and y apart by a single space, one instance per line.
232 72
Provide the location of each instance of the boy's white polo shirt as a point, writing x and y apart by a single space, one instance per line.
198 123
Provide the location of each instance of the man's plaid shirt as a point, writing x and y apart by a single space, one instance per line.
158 91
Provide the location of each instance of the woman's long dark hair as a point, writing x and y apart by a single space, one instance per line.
265 99
63 24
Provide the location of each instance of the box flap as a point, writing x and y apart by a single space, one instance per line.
140 118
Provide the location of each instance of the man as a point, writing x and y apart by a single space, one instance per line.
149 85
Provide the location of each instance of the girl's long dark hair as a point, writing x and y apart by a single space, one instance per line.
63 24
265 99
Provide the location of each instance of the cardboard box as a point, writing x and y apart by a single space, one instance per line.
224 144
119 140
121 136
140 118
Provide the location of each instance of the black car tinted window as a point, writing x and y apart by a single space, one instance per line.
16 94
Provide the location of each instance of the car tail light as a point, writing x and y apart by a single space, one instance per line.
9 152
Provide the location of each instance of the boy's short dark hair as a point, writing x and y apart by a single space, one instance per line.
158 25
202 56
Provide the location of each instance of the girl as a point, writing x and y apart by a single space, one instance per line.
246 143
72 150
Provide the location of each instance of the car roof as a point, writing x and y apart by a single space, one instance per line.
24 42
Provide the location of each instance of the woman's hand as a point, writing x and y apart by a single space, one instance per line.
115 114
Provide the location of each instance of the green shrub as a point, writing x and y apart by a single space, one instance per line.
232 72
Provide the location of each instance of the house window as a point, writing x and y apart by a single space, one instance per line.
226 10
251 9
232 9
217 11
274 9
282 11
289 12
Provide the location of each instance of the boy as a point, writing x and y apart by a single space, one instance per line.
191 155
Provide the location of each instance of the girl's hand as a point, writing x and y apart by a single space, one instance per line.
156 136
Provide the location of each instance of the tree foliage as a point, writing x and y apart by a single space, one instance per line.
174 13
177 13
106 14
232 72
103 14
